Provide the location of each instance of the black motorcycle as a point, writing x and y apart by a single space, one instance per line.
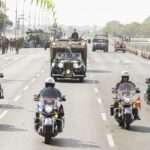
50 122
1 89
124 109
147 94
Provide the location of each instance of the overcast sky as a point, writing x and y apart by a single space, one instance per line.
93 12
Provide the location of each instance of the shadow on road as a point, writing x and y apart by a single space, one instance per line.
72 143
141 129
86 81
9 106
10 128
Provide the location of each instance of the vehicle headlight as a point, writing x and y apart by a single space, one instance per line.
53 64
48 108
60 65
76 65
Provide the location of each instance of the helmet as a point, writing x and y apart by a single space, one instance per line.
125 76
49 82
75 30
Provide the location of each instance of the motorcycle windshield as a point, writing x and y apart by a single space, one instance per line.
49 101
126 90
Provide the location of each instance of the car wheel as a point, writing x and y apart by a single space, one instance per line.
106 50
81 79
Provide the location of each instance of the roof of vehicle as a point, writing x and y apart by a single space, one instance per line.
101 36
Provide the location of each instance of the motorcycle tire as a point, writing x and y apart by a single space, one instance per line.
47 136
127 121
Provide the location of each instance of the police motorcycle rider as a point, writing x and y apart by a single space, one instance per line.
75 35
1 89
51 92
147 94
125 78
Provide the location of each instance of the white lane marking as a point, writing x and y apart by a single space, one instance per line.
25 88
96 90
99 101
3 114
104 117
17 98
110 140
38 75
33 80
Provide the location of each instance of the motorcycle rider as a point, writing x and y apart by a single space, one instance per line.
125 78
148 86
51 92
1 92
75 35
1 89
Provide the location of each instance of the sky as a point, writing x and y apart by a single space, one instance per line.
91 12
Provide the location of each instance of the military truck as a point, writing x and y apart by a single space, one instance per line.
68 59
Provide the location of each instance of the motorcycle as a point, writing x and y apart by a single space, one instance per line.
1 89
50 123
147 95
124 109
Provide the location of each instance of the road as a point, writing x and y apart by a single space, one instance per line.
88 123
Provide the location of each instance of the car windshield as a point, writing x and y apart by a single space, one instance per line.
126 90
99 40
68 55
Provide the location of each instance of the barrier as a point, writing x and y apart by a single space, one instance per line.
142 50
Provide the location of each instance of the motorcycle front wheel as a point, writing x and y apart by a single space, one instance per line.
48 131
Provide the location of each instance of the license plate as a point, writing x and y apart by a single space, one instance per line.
48 121
128 110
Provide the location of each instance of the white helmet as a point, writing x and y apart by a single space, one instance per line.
50 81
125 74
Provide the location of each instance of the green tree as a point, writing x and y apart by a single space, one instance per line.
4 21
133 29
114 28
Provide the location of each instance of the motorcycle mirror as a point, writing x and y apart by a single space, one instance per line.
63 99
36 98
147 81
1 75
89 41
113 90
138 91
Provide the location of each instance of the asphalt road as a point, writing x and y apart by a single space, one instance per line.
88 123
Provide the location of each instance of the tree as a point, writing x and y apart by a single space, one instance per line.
133 29
114 28
4 21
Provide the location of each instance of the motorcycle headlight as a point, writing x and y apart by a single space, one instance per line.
48 108
60 65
